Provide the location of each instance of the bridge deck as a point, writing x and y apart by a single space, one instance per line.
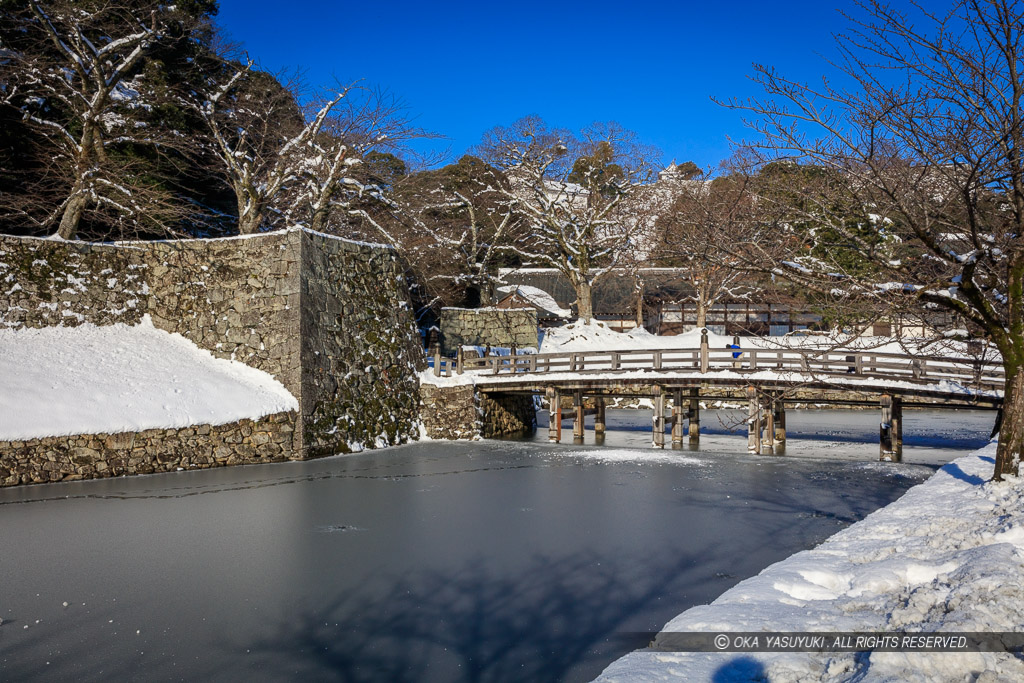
970 381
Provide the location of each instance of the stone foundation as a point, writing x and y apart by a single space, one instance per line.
93 456
449 412
458 412
507 414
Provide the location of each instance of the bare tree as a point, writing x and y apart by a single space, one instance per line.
300 165
695 234
332 185
75 73
571 192
463 211
259 134
910 185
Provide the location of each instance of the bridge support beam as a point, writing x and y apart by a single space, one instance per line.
753 421
677 418
554 415
693 417
779 413
577 423
659 418
599 423
774 421
890 431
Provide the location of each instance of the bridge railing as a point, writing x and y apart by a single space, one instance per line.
971 372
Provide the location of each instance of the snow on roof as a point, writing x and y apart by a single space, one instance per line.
89 380
537 297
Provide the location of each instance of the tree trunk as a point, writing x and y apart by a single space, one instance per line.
72 216
486 292
249 217
319 220
1011 431
702 315
584 302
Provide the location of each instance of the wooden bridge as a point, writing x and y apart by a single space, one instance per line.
765 377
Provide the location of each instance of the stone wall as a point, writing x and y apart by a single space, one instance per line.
92 456
459 412
487 326
360 348
238 298
328 318
449 412
507 414
45 283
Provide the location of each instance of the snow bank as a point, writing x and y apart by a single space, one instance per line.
59 381
599 337
946 557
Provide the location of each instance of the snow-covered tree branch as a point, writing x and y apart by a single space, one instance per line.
76 74
908 188
572 193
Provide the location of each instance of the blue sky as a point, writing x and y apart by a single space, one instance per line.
464 67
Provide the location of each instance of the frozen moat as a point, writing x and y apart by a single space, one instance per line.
491 561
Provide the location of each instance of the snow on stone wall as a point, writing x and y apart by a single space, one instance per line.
327 317
360 348
44 283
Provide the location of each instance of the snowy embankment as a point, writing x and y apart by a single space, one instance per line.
946 557
598 337
60 381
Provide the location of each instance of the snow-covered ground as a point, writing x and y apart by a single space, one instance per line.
597 336
87 380
946 557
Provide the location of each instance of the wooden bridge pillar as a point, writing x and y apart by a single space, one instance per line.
677 418
774 421
693 417
704 356
577 423
890 431
599 423
768 422
554 415
659 418
753 421
779 418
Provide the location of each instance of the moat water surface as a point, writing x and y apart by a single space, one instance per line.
487 561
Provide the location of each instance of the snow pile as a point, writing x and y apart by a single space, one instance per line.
87 380
597 336
946 557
